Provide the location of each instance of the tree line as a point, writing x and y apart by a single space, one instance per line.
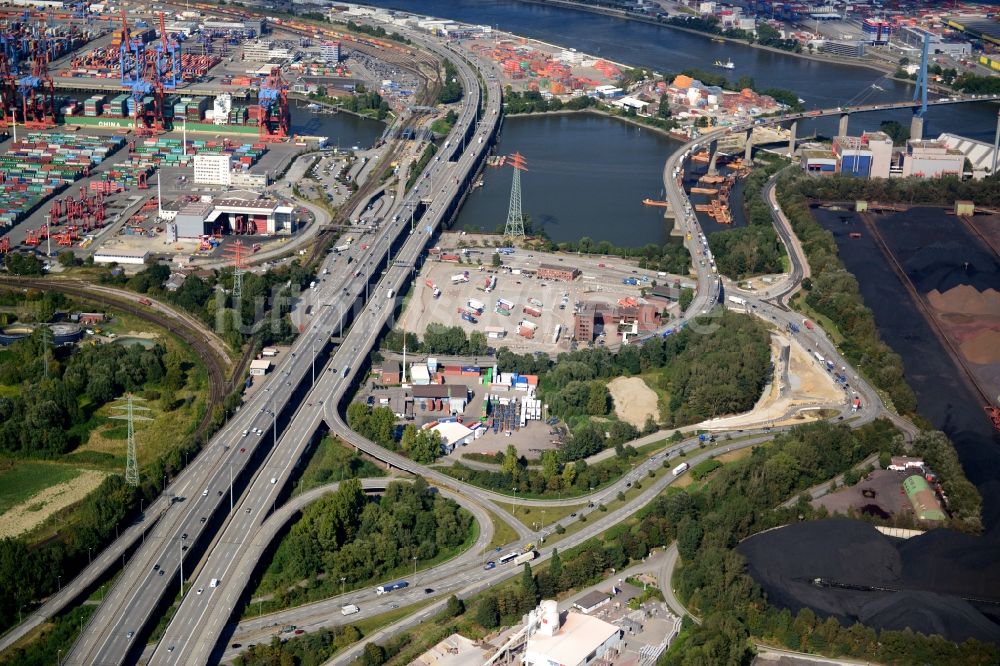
263 309
833 291
451 86
348 535
438 339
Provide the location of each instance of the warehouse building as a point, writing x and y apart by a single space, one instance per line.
455 396
190 219
227 216
556 272
932 159
120 257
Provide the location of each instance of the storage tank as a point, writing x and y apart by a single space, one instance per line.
548 623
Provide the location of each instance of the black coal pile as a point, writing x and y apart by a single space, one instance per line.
939 583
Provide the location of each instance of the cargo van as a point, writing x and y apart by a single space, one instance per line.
214 583
350 609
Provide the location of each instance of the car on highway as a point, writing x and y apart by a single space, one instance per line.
130 634
200 590
490 565
243 450
428 590
236 645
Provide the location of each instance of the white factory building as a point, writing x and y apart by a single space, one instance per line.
573 640
329 51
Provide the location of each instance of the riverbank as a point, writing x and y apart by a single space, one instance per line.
627 16
598 112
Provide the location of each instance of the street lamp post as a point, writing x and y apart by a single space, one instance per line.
180 545
89 559
513 510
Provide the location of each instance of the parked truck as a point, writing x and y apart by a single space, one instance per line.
391 587
459 278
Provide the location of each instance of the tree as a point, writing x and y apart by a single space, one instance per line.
496 260
67 259
550 464
510 465
555 566
488 613
454 607
373 655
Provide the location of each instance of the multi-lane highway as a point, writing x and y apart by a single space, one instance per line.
251 435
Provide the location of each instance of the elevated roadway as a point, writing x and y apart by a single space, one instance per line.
110 636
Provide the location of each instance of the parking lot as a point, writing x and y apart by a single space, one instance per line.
600 279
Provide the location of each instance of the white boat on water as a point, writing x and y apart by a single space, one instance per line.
313 107
725 65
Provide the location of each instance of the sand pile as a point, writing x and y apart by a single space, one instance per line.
966 299
982 348
634 400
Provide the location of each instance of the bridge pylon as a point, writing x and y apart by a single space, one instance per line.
920 93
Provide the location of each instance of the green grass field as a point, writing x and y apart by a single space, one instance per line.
21 480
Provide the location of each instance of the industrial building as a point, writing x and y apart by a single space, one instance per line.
557 272
259 367
866 156
573 640
224 216
120 257
266 51
979 153
453 434
591 601
455 395
932 159
914 38
872 156
628 320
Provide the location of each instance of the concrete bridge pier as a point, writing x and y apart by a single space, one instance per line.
713 157
792 133
842 128
748 149
917 127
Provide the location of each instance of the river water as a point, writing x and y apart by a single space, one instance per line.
821 84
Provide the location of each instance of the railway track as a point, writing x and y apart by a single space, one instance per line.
220 382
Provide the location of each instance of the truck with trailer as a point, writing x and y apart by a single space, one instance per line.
525 557
391 587
505 304
459 278
736 300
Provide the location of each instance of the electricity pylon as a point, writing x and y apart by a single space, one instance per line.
131 413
